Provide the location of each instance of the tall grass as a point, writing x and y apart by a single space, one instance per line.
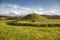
9 32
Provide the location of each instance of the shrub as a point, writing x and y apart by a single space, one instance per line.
35 25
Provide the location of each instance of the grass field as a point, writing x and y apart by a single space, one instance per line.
9 32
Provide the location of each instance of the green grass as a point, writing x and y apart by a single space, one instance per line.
9 32
35 17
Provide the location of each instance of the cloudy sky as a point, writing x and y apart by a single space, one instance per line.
24 7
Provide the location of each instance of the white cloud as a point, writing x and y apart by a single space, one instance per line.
14 9
55 10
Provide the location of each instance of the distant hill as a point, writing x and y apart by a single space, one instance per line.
52 16
34 16
9 17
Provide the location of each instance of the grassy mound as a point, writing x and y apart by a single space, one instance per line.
34 16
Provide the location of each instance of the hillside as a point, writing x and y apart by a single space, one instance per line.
34 16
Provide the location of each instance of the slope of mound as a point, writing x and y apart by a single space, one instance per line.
34 17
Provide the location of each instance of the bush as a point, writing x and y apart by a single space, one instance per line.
50 25
31 24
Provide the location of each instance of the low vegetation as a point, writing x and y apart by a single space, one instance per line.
9 32
30 27
35 24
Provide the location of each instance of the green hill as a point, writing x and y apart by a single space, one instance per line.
34 16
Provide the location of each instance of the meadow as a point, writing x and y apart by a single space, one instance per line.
9 32
30 27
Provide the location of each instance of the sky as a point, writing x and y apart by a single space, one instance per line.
24 7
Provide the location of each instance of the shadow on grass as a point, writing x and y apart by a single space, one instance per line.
33 25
